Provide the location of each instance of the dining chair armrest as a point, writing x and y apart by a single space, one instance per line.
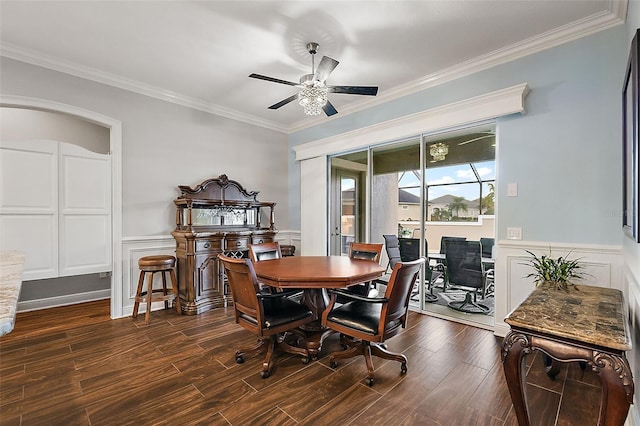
358 297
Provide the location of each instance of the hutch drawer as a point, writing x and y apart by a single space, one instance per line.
208 244
237 243
259 239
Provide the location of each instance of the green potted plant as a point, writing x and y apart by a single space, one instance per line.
554 272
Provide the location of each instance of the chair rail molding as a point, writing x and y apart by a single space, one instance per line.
603 267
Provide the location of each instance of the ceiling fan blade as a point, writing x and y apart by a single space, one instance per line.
355 90
284 102
275 80
329 109
325 67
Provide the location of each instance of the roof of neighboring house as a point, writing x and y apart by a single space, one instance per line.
447 199
405 197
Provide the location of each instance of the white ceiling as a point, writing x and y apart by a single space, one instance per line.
200 53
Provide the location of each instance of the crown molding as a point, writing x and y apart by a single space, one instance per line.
587 26
473 110
10 51
575 30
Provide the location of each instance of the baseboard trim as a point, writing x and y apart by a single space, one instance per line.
501 330
71 299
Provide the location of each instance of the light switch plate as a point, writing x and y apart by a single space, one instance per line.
512 190
514 233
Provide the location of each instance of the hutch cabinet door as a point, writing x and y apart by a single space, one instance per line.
207 283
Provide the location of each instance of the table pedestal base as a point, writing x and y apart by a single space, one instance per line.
314 339
611 366
316 299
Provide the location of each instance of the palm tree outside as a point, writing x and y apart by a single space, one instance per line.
457 204
488 202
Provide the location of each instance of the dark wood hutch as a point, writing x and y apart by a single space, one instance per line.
217 216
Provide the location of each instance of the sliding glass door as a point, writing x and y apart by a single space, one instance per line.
396 211
420 189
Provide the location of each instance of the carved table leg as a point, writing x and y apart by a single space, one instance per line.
514 347
617 388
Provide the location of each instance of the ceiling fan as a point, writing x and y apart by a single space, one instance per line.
313 88
439 150
485 136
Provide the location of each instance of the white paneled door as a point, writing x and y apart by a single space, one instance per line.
29 204
55 206
84 211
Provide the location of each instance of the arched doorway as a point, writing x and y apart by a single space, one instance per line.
115 144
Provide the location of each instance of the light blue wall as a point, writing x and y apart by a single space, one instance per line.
564 154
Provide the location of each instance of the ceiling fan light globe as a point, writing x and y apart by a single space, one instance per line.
438 151
312 98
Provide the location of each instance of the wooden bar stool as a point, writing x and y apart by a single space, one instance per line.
288 250
149 265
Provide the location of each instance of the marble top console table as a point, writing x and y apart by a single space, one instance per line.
11 267
589 325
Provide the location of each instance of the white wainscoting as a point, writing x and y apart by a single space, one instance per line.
133 248
603 268
633 286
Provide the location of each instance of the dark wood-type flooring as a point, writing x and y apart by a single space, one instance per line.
75 366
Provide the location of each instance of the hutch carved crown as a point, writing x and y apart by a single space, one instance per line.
217 216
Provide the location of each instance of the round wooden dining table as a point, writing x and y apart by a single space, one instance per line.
314 275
